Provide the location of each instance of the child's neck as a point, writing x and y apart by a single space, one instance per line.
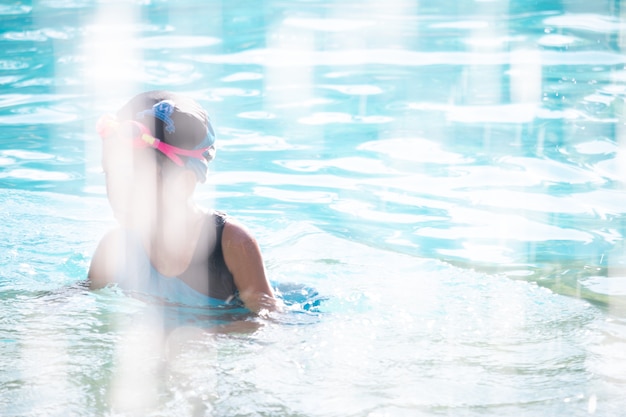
173 242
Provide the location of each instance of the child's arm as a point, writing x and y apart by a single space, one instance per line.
243 259
103 262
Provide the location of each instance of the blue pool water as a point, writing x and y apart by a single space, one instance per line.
437 188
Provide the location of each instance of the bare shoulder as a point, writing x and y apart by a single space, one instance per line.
236 234
240 248
104 260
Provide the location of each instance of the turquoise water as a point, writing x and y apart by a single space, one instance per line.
437 187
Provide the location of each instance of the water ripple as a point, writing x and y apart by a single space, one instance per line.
498 227
560 41
590 22
36 175
349 164
39 35
328 24
355 90
323 118
257 115
169 73
14 9
38 115
235 139
242 76
175 42
12 65
26 155
270 57
416 150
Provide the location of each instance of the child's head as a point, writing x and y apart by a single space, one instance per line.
155 149
179 123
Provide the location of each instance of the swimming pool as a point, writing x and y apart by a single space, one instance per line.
436 186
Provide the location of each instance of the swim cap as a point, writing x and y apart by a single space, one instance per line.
177 121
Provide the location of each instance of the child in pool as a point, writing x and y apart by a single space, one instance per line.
154 152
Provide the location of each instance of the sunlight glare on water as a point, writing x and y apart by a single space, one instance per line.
437 188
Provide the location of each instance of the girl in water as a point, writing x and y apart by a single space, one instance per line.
155 150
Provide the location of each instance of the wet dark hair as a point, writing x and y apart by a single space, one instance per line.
190 119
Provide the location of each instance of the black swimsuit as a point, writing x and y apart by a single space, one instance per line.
207 270
221 284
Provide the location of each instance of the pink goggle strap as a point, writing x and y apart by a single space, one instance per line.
108 125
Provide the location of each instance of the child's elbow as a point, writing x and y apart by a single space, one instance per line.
259 302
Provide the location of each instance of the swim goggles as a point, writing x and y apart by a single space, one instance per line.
197 158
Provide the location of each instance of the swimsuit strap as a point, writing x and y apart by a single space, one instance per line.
221 278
